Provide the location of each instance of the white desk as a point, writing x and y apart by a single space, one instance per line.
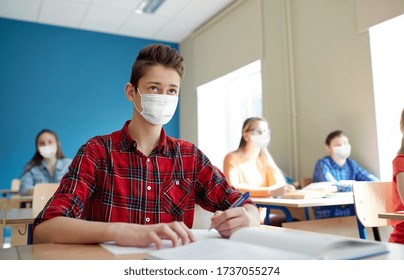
20 220
283 204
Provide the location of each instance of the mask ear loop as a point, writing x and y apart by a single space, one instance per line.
140 101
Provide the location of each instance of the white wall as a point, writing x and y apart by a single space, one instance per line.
316 75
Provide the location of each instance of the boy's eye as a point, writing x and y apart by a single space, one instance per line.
172 92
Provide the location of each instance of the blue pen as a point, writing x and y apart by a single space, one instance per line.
239 201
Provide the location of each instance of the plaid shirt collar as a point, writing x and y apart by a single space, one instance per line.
127 142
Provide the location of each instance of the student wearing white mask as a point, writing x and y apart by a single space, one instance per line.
138 186
48 165
251 167
337 167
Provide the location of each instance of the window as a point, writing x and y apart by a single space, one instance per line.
387 51
223 105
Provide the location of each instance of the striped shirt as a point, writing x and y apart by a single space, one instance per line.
110 180
328 170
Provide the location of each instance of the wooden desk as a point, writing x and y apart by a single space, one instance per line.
5 193
16 201
20 220
53 251
24 201
392 216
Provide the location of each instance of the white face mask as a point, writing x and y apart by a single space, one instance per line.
342 152
261 141
158 109
48 151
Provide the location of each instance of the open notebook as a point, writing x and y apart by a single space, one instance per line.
314 190
256 243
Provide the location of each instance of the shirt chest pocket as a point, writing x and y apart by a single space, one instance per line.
176 195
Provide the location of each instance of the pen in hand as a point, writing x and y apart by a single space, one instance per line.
238 202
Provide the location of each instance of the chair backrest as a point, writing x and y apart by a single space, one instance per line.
372 198
15 185
42 193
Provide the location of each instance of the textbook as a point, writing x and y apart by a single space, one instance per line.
273 244
313 190
303 194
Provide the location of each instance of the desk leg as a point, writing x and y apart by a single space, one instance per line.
1 236
285 210
306 213
19 235
361 229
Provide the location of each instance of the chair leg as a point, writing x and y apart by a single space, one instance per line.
376 233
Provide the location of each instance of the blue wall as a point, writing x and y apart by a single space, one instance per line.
66 80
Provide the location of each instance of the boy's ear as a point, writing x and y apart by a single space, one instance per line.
130 92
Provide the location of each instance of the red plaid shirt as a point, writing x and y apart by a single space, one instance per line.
110 180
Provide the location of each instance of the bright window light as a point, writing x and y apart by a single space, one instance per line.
223 105
387 51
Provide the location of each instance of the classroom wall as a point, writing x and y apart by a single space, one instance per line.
70 81
316 72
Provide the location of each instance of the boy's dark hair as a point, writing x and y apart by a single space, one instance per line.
332 135
156 54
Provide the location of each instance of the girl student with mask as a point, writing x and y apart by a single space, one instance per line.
251 167
337 167
48 165
138 186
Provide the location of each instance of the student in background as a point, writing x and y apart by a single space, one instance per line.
337 167
138 186
397 234
252 168
48 165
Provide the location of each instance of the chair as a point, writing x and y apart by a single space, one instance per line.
372 198
15 185
42 193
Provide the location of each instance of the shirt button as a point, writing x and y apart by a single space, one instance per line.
177 182
147 219
148 160
148 188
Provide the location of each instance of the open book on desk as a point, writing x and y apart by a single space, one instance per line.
200 234
256 243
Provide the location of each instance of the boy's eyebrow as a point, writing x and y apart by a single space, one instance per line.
158 83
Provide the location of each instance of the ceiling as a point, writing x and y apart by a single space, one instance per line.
173 21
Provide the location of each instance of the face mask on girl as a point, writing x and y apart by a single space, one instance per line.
261 141
48 151
158 109
342 152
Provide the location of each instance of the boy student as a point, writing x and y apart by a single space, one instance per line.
138 186
339 168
